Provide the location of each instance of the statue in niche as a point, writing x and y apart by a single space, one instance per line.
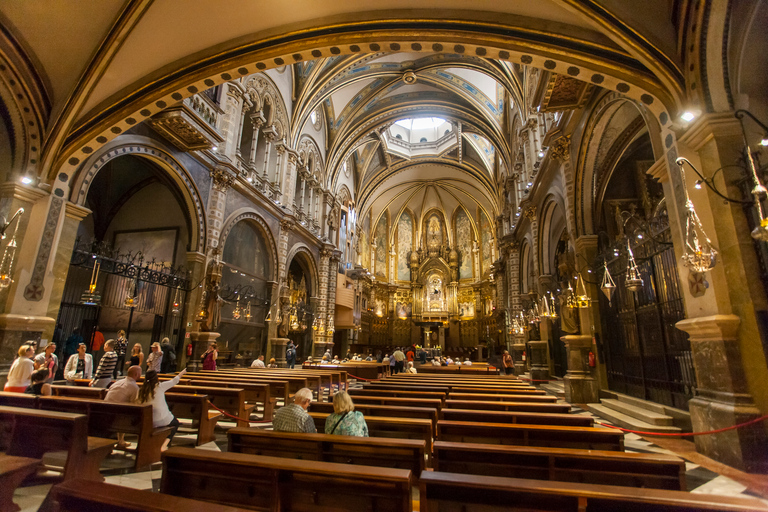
434 236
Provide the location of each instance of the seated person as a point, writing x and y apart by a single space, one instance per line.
369 358
345 421
272 363
448 360
435 361
258 363
335 360
39 385
467 362
124 391
385 360
294 417
410 369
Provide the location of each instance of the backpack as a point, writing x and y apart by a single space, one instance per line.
290 352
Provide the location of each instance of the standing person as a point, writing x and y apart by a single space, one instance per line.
327 354
106 369
73 342
258 362
38 385
137 356
20 374
290 354
124 391
391 364
121 347
410 354
210 356
169 356
97 340
49 360
153 392
345 421
294 417
79 365
399 360
155 358
506 360
379 356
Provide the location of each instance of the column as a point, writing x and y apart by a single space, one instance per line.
278 166
256 120
222 179
303 187
229 127
196 265
276 345
265 172
310 213
323 278
289 183
239 132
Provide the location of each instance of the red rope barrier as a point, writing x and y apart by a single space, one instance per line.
361 378
225 413
682 434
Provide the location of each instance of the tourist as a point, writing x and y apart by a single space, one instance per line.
97 339
335 360
290 354
410 354
294 417
20 374
345 421
410 369
137 356
121 347
38 385
155 358
125 391
210 356
379 357
385 359
435 361
448 361
509 365
79 365
392 364
327 354
103 375
153 392
169 356
258 362
399 360
272 363
369 358
467 362
49 360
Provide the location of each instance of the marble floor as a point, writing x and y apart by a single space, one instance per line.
703 475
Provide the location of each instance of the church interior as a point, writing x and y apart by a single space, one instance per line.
574 191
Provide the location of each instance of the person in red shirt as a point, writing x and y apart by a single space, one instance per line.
97 340
410 354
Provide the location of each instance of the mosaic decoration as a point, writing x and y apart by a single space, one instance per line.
404 245
35 289
380 239
486 237
464 244
365 257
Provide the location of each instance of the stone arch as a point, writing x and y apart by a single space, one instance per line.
423 229
303 252
310 155
263 91
550 228
147 148
246 214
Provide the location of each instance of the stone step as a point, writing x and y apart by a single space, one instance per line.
622 420
640 413
639 402
554 388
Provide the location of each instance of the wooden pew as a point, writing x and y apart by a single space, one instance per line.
10 399
271 483
519 405
106 419
365 451
35 433
652 470
335 379
255 393
396 393
381 426
503 397
432 403
449 491
528 418
295 382
391 411
587 438
79 392
80 496
231 400
195 407
453 369
13 471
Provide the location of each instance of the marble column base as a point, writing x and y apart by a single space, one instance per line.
200 342
745 448
539 360
518 349
319 348
581 389
581 386
277 350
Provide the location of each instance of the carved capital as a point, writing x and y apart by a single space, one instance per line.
287 225
530 213
561 148
222 178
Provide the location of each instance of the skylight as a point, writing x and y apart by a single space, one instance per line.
421 123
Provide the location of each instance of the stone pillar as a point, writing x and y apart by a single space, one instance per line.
517 351
310 213
229 122
265 171
256 120
322 296
200 343
289 183
239 132
196 264
581 386
303 186
222 179
333 274
278 165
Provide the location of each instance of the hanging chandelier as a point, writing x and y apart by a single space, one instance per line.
553 309
608 286
545 312
130 297
202 310
331 329
9 253
176 308
633 280
90 296
237 313
248 314
582 300
698 252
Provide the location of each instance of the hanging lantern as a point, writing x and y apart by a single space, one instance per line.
236 313
130 299
268 318
545 312
699 254
330 324
552 310
569 301
607 286
176 308
89 297
6 266
633 280
248 315
582 300
315 324
294 321
202 311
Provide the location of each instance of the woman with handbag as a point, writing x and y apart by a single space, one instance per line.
345 421
209 357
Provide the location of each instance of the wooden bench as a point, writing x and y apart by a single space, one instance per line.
107 419
10 399
496 390
231 400
195 407
390 411
452 492
254 392
366 451
13 471
397 393
79 392
272 483
652 470
333 379
431 403
587 438
35 433
486 397
522 406
382 426
295 382
529 418
80 496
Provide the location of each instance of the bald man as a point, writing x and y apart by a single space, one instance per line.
124 391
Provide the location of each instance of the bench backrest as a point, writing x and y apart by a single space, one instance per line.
519 405
503 397
378 452
79 392
225 398
653 470
531 418
10 399
271 483
409 402
402 393
400 428
392 411
104 418
448 491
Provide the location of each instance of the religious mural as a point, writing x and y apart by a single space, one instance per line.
404 245
486 238
380 239
464 244
467 309
403 310
246 249
434 235
365 256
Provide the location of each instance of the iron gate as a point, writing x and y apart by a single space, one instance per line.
646 356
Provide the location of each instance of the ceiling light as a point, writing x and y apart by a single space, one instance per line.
26 180
639 236
697 185
530 184
764 141
688 116
215 148
541 153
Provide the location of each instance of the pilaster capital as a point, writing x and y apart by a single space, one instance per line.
530 213
222 178
561 148
709 328
335 256
287 224
709 126
74 211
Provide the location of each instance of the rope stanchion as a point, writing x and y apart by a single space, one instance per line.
225 413
683 434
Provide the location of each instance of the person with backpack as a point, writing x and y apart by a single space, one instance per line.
290 354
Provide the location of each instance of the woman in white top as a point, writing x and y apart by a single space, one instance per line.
153 392
20 374
410 369
79 366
